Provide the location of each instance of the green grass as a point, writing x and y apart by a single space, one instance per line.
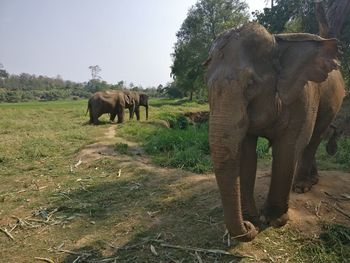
333 245
182 145
37 133
340 161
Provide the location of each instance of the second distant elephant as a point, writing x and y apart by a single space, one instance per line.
137 99
112 102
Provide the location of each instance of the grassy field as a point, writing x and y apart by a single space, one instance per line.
149 186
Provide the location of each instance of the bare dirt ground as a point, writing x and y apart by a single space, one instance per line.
329 200
167 205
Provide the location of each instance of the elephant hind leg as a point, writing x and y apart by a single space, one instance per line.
91 121
306 175
95 117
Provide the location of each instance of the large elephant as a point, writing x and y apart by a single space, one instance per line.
284 87
112 102
138 99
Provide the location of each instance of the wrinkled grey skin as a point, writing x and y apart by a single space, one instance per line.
112 102
286 88
138 99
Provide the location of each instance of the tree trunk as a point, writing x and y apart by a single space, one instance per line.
332 21
191 95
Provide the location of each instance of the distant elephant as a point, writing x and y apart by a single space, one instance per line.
112 102
139 99
286 88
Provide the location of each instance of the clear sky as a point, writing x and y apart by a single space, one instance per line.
130 40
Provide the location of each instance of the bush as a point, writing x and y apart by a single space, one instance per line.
181 148
176 121
263 149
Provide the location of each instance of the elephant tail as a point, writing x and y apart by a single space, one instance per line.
88 108
331 146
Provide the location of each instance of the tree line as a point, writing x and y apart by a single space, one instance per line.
27 87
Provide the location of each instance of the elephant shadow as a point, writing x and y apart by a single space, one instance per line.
152 209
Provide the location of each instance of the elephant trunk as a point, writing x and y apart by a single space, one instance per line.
229 186
228 124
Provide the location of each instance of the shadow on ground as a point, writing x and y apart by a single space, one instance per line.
122 218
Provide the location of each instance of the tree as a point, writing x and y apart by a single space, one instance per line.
204 22
95 70
289 14
332 20
3 72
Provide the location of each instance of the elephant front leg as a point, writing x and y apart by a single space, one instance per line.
284 153
137 112
121 115
248 173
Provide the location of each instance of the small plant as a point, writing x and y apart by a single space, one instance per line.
121 148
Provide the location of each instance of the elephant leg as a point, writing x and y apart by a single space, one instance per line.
137 112
306 175
248 165
130 113
91 117
121 115
95 118
285 152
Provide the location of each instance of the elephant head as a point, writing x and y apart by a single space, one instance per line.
245 64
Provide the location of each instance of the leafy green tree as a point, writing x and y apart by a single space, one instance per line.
95 85
204 22
298 15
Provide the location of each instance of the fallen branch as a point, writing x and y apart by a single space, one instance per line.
317 209
211 251
45 259
77 164
7 233
114 259
341 211
74 253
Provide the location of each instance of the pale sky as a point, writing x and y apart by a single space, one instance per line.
130 40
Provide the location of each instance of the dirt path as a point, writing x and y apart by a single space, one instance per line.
328 201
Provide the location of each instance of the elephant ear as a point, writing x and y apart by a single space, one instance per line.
303 58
